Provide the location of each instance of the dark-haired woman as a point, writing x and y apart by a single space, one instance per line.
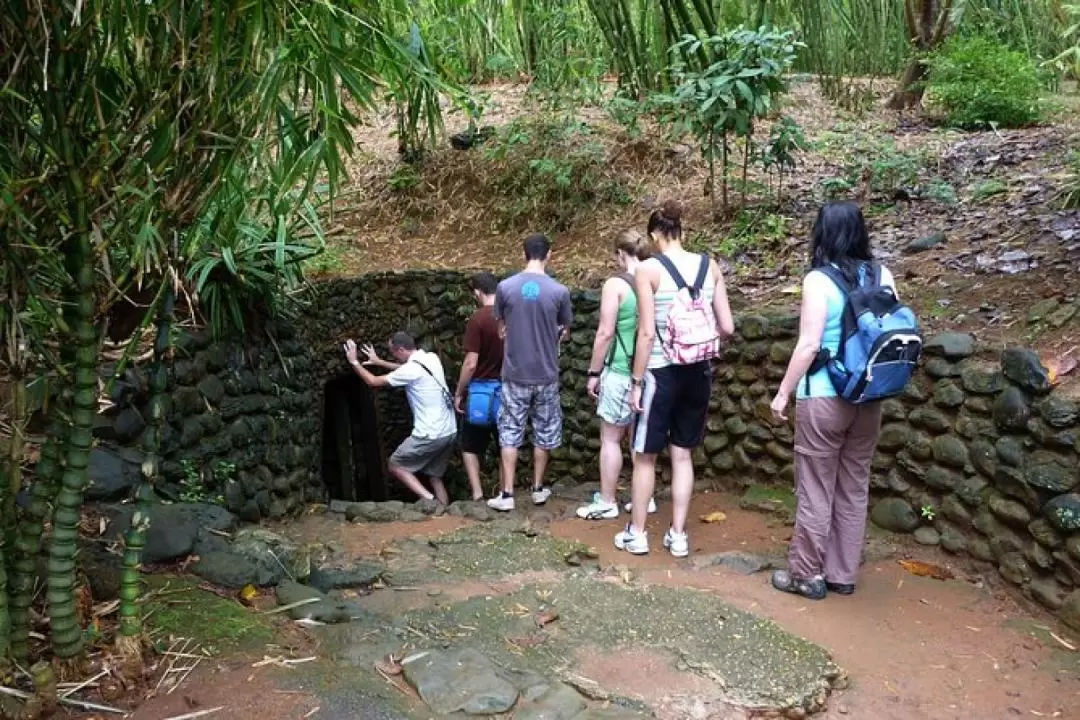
834 440
670 395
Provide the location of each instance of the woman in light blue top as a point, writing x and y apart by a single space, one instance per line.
834 440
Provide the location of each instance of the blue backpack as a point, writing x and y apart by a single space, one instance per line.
880 341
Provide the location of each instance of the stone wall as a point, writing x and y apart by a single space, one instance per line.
979 455
240 418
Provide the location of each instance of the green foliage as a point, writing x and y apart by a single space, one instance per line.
729 95
835 188
785 140
986 189
941 192
755 232
194 486
979 83
1069 196
1067 62
928 513
546 171
873 163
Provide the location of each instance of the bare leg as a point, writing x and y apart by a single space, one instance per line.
540 461
682 486
508 460
611 459
410 481
440 490
472 469
641 489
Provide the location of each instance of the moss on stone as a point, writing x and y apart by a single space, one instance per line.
178 607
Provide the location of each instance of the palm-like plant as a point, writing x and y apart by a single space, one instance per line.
127 125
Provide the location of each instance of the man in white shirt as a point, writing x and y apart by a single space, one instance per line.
428 450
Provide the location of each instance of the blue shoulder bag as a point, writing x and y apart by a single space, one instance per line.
482 404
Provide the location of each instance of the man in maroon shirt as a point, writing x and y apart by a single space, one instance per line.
482 364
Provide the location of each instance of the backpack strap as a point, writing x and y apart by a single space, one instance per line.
629 280
672 271
848 325
443 387
703 271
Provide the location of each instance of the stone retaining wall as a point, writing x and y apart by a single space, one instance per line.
979 455
240 423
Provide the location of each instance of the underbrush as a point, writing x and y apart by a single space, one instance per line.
874 167
544 172
540 172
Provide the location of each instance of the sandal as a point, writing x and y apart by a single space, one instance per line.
811 589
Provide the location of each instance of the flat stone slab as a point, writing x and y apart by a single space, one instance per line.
498 549
459 680
752 663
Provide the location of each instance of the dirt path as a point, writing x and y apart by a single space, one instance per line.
912 647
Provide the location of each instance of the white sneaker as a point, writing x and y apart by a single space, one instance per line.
598 509
652 506
677 543
541 496
632 542
500 503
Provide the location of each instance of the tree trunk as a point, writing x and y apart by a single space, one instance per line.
909 91
929 23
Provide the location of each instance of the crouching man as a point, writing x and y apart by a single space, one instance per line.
429 448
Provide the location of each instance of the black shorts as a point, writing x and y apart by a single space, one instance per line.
475 438
676 404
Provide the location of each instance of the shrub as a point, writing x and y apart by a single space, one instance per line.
547 170
980 83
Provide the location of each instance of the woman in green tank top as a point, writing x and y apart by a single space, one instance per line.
609 372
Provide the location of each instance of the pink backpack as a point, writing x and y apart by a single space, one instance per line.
691 334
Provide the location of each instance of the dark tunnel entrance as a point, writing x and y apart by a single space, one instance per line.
352 457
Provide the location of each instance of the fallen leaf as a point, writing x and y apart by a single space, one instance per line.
389 666
248 593
545 617
1057 367
714 517
923 569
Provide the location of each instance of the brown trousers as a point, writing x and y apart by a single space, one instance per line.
834 444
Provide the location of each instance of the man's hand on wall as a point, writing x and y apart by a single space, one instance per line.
350 352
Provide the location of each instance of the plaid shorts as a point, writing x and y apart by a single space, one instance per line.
536 403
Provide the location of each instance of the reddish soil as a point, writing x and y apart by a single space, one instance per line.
913 647
243 693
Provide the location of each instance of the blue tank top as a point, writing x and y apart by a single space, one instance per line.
820 384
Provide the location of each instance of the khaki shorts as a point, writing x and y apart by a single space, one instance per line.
614 404
424 455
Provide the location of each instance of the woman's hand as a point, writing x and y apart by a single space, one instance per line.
593 386
635 399
779 406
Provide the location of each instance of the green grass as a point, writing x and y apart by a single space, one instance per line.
177 607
